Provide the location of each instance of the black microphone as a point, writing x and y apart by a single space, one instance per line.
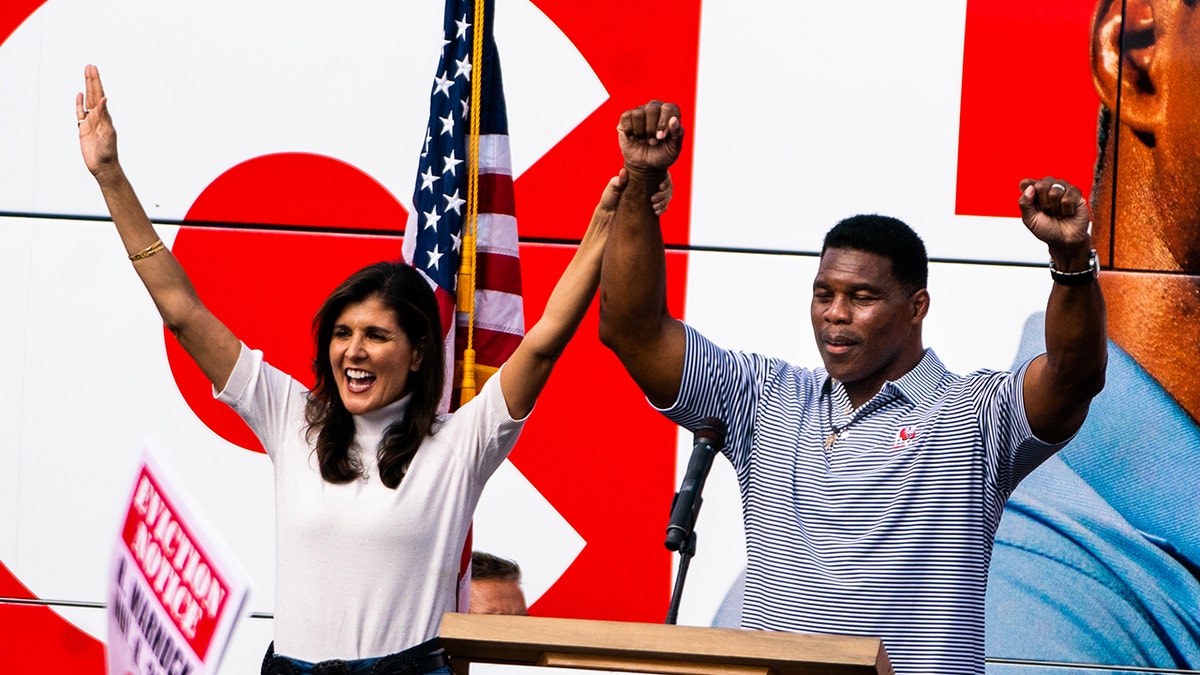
710 437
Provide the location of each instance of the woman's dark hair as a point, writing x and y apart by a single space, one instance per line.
408 294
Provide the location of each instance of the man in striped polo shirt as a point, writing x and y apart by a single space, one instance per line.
871 487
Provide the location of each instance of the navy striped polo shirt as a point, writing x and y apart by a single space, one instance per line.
885 530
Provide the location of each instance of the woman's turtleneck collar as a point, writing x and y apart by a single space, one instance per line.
374 423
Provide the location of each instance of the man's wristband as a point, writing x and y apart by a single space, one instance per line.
1077 278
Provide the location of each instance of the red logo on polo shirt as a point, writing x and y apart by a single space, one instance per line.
904 437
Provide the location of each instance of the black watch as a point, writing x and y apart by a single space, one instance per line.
1077 278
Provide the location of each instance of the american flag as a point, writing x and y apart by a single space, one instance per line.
434 241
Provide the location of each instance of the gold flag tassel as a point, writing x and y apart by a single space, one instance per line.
466 273
466 304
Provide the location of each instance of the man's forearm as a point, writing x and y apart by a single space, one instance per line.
1076 337
633 277
1060 386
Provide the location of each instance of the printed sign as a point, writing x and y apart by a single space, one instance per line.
175 593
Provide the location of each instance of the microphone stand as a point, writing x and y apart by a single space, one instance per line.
685 558
685 508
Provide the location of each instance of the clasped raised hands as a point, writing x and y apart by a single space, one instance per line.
651 137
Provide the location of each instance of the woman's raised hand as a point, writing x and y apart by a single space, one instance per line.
97 137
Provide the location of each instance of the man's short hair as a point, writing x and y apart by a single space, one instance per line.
488 566
884 236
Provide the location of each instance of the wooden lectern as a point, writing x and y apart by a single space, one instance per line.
655 648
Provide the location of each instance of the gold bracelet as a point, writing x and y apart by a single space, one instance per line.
148 251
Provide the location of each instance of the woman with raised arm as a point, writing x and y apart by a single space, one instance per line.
374 490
